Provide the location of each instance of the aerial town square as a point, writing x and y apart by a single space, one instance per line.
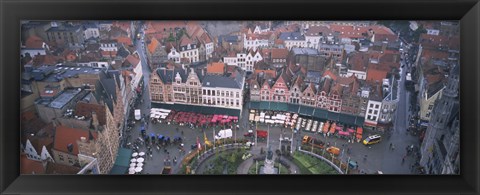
240 97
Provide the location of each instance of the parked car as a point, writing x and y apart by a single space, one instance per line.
249 133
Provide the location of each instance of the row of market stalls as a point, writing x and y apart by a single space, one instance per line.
191 117
206 110
157 114
298 117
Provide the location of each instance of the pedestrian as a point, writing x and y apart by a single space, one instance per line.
393 146
390 145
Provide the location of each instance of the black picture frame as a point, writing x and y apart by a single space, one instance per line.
12 11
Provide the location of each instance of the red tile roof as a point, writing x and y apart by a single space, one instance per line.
358 61
433 41
39 142
278 53
279 42
329 74
109 54
326 85
433 78
124 25
265 52
348 31
428 54
28 115
216 68
258 36
86 109
55 168
316 30
358 31
299 81
270 73
133 60
48 59
153 45
34 42
374 74
337 89
28 166
346 80
185 41
125 40
66 135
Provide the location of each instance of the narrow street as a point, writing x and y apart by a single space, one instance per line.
400 138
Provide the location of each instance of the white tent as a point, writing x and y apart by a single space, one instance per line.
138 169
140 160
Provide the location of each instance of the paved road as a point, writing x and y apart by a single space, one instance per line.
392 160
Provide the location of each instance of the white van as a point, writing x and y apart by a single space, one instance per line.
138 115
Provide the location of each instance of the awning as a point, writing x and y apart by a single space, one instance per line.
272 106
293 108
197 109
333 116
320 114
118 170
122 161
306 110
254 105
123 157
347 119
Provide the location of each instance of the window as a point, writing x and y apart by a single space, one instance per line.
377 106
371 106
430 107
375 112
